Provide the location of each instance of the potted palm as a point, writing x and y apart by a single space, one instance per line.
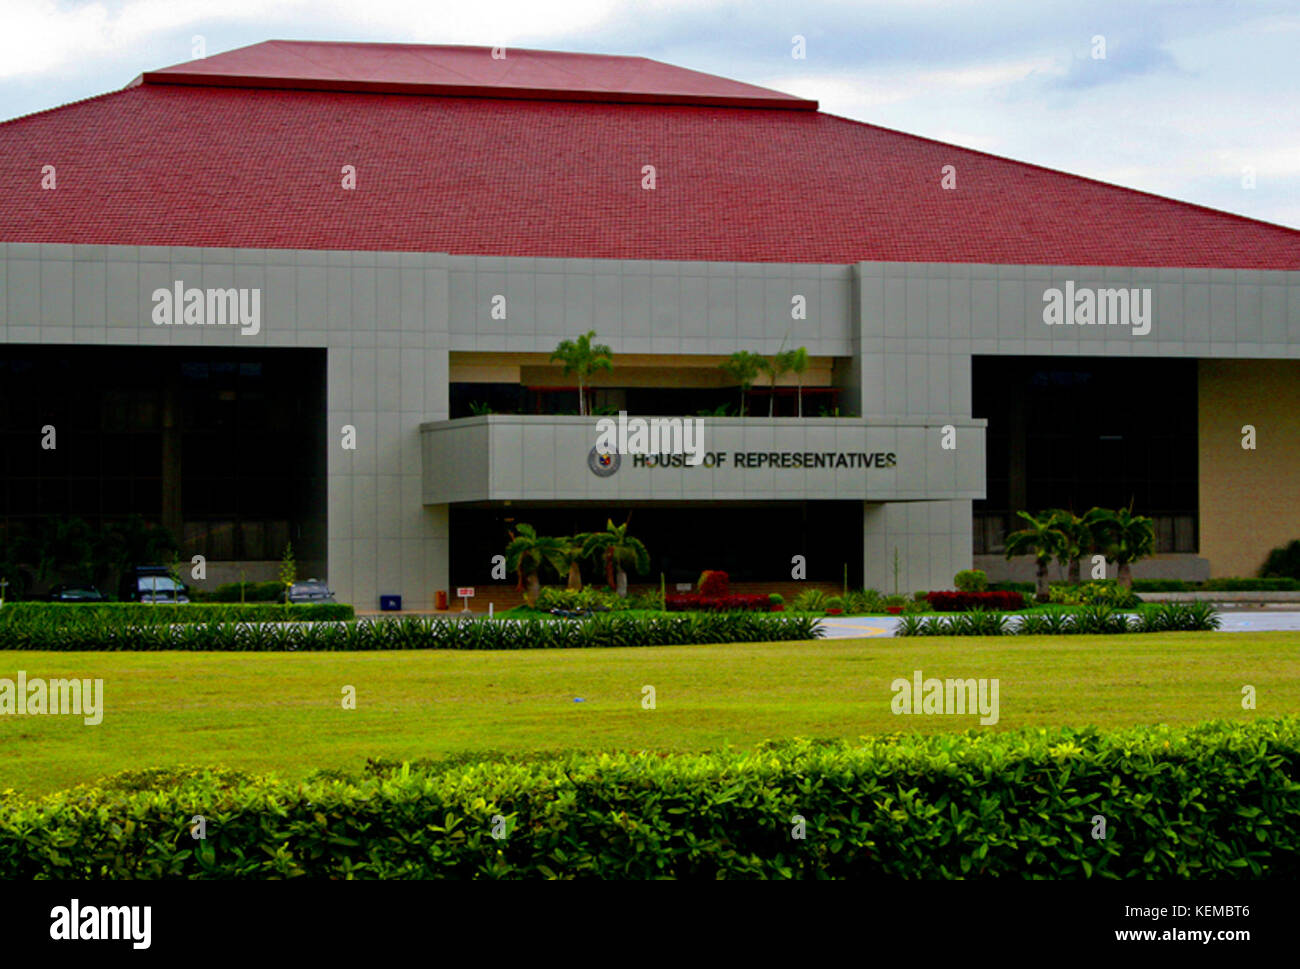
527 553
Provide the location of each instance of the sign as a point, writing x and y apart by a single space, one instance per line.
603 463
465 592
830 460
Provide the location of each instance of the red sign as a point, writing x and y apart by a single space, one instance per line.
465 592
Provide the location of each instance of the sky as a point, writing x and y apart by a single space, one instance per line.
1197 100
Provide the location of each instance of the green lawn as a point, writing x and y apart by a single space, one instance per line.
277 711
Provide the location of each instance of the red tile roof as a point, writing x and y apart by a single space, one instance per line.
468 72
217 165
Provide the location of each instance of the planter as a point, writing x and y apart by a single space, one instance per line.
834 612
893 610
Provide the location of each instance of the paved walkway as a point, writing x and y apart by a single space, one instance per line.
1255 621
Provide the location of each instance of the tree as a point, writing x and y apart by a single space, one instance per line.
569 556
134 541
527 554
67 548
743 367
797 364
288 571
583 357
775 367
1124 537
619 551
1076 540
1041 539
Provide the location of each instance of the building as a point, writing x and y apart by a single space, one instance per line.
272 294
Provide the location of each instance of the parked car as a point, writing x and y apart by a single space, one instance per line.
152 583
312 590
76 593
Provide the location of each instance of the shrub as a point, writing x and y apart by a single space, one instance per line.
1162 585
971 580
1105 592
894 601
776 599
1283 562
589 599
412 632
1215 800
692 601
1099 620
1251 585
713 583
61 614
1024 588
834 602
967 601
810 600
651 601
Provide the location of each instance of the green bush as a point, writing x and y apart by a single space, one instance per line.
412 632
1283 562
1106 592
971 580
1251 585
588 599
776 599
1026 589
1163 585
1097 619
835 602
810 600
58 614
1217 800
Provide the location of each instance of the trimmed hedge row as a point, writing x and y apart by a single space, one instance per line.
968 601
412 633
139 613
1214 801
690 601
1082 620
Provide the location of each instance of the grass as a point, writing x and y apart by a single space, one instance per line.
282 712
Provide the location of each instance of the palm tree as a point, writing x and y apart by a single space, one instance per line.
570 555
743 367
584 358
1076 540
1124 537
1041 539
527 554
619 550
775 367
797 364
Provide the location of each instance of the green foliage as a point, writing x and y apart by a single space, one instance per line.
971 580
1283 562
1217 800
115 625
810 600
618 550
743 367
1100 592
834 602
1097 619
776 599
583 358
580 600
80 629
288 568
1251 585
1163 585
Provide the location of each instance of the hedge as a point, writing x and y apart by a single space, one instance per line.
138 613
1218 800
968 601
1096 620
410 632
691 601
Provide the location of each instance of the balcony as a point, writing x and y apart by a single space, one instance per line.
501 457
